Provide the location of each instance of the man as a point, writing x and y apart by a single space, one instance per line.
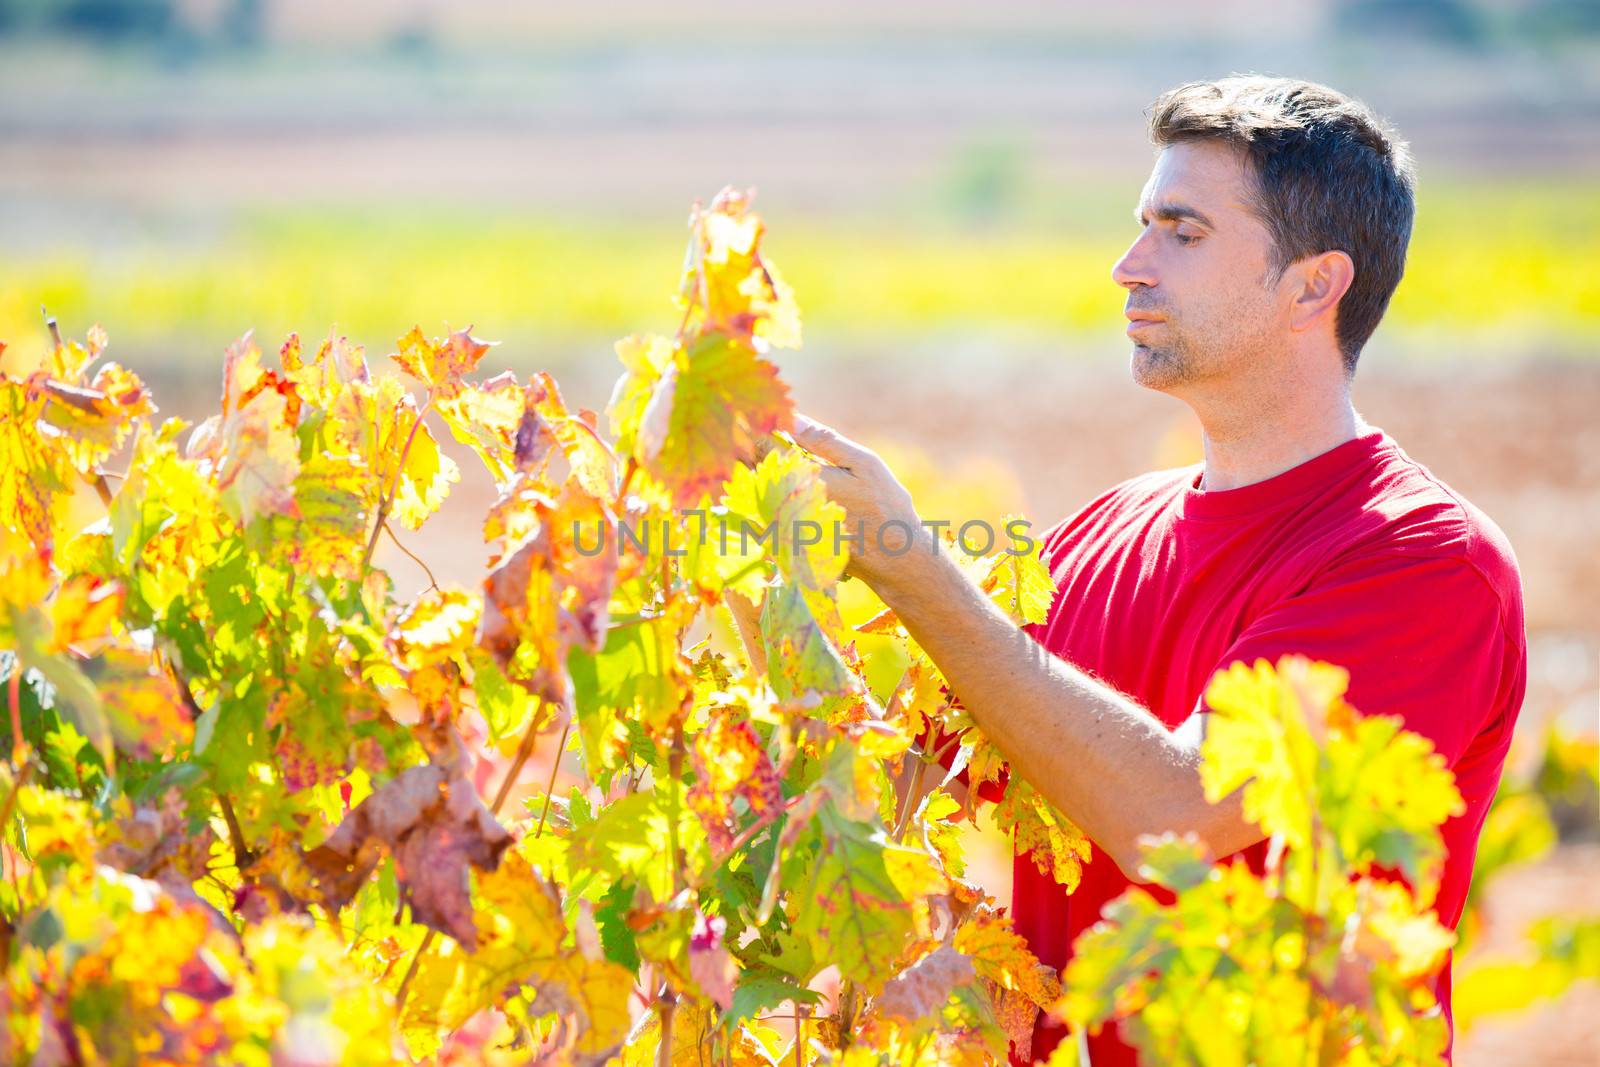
1272 233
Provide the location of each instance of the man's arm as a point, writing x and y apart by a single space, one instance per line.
1108 764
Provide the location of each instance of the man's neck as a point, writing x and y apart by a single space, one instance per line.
1254 442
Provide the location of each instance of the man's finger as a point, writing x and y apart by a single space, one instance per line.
833 480
824 441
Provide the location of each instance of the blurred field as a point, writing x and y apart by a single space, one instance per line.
1493 272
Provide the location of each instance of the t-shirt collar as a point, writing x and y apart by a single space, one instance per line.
1195 503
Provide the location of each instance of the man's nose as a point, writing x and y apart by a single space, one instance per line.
1135 267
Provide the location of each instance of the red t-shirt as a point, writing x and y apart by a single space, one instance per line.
1358 556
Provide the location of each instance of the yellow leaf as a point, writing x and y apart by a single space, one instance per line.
441 361
1057 847
439 626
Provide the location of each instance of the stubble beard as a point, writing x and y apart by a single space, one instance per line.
1161 367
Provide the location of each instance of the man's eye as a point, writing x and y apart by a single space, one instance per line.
1187 238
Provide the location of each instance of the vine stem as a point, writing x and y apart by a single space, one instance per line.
750 832
524 751
627 478
5 821
242 856
19 747
674 772
16 787
666 1007
747 621
909 803
549 789
411 971
434 582
667 1000
394 485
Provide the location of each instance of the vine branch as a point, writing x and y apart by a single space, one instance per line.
394 484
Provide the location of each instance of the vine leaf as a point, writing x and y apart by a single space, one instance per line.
922 989
440 362
434 824
692 412
855 909
1057 847
731 766
524 965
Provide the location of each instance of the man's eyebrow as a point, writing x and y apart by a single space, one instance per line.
1175 212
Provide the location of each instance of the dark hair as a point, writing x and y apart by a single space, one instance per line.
1329 173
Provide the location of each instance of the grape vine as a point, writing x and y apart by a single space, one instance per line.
245 807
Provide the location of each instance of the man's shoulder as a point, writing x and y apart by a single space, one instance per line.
1418 512
1404 509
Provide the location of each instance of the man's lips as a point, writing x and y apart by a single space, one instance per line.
1138 320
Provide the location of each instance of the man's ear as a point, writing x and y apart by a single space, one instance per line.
1325 278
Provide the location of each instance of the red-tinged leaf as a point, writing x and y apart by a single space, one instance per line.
142 704
377 425
485 417
731 764
728 281
440 362
432 821
436 628
68 360
725 399
260 459
922 989
546 424
337 363
242 374
203 979
34 478
88 423
1002 955
552 590
1057 847
689 413
710 965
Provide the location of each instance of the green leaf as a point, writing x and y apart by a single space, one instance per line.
855 909
506 707
800 657
611 917
760 992
784 493
632 840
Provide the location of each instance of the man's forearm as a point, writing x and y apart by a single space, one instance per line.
1105 762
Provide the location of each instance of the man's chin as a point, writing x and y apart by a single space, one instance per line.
1156 368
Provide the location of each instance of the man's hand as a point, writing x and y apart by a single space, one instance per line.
876 505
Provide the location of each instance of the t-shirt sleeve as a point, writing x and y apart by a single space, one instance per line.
1423 637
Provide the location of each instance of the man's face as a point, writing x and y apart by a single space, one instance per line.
1199 305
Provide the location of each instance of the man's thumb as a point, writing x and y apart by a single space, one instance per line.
824 441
